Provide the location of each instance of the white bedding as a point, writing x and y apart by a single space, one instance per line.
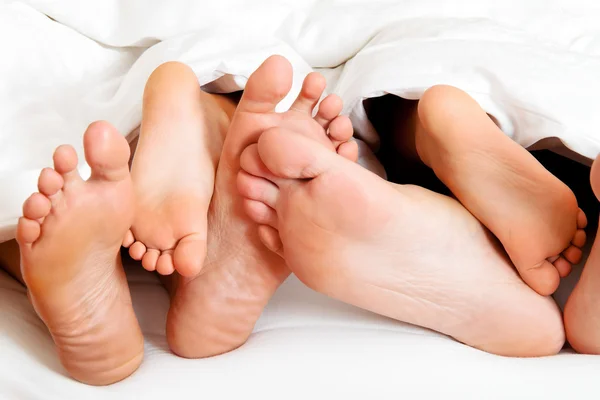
532 64
305 346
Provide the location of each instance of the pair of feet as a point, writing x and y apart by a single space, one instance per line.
338 227
343 231
71 230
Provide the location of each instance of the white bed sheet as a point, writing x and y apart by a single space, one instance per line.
304 346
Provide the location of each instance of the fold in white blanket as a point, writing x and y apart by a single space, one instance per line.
534 65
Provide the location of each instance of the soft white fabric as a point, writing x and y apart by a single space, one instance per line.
305 346
533 64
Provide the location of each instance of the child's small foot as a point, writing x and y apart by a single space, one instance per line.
173 171
582 311
532 212
69 236
215 312
400 251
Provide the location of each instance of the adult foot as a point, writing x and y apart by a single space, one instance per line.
69 237
533 214
582 311
173 171
215 312
400 251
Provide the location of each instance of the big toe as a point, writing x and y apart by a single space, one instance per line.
293 156
544 278
106 152
267 86
188 257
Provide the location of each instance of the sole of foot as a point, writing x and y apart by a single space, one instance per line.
399 251
582 311
173 171
215 312
69 238
533 214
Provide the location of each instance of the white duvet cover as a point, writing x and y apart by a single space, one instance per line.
532 64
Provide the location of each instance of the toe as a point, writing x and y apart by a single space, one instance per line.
595 177
50 182
329 109
260 213
267 86
312 89
579 238
106 152
65 163
289 155
137 251
349 150
36 206
259 189
164 264
563 267
270 238
28 231
150 259
340 130
581 219
543 278
573 255
251 163
189 255
128 239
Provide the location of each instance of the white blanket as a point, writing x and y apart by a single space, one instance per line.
534 65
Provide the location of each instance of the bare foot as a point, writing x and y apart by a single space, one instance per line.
400 251
582 311
532 212
215 312
69 238
173 171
